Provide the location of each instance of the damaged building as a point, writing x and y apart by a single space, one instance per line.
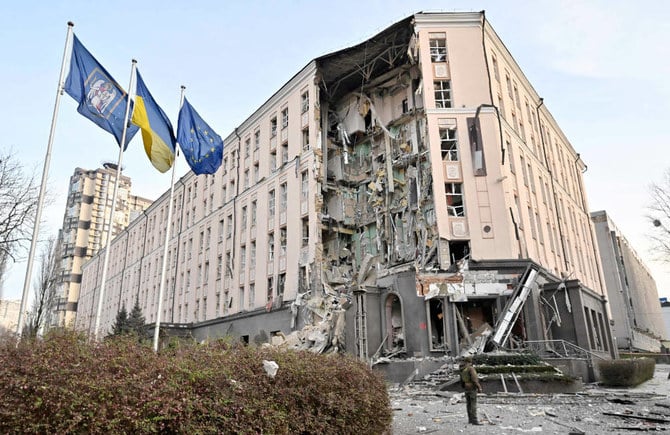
410 196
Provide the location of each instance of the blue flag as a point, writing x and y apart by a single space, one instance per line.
202 147
100 98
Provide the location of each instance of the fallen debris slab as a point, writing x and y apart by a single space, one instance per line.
639 417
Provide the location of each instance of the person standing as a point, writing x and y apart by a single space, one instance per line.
470 382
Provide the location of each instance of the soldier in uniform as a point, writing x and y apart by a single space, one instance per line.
470 382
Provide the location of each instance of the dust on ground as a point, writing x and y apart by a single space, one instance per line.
595 410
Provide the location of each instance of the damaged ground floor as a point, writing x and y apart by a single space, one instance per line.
480 307
418 409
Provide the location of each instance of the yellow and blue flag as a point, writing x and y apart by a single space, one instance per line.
100 98
202 147
157 133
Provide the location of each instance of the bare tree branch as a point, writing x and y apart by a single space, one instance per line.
659 217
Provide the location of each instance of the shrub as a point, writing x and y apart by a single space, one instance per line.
64 384
626 372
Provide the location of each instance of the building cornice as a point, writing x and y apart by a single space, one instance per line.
430 20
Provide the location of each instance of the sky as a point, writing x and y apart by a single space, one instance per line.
600 65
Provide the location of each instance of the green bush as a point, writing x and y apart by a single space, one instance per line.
626 372
64 384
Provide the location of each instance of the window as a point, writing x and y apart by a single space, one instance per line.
438 47
252 256
305 139
271 202
281 282
253 213
304 102
454 199
283 191
246 178
208 237
271 247
304 182
305 232
247 147
256 173
252 295
442 94
448 144
244 218
242 298
284 153
257 139
273 127
508 82
282 241
273 160
284 117
510 156
516 96
494 63
243 259
219 266
271 288
229 224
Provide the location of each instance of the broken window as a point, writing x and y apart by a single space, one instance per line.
454 192
458 250
438 47
304 185
305 231
448 144
243 223
252 256
282 241
305 139
476 146
283 192
442 94
281 284
284 152
273 127
271 247
256 173
270 289
284 117
271 203
304 102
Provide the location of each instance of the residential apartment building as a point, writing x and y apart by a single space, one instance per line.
88 210
637 316
397 195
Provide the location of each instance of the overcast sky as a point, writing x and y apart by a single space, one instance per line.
602 68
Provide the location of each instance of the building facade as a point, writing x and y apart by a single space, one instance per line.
392 198
9 315
638 322
88 210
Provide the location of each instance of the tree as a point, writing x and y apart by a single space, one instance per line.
660 217
44 290
136 319
120 326
18 205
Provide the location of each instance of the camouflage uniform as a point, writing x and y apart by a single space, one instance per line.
470 382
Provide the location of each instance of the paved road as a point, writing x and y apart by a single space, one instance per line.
418 410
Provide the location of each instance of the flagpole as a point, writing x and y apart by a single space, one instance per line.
45 176
161 288
96 331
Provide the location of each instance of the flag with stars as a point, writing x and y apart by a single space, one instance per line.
202 147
